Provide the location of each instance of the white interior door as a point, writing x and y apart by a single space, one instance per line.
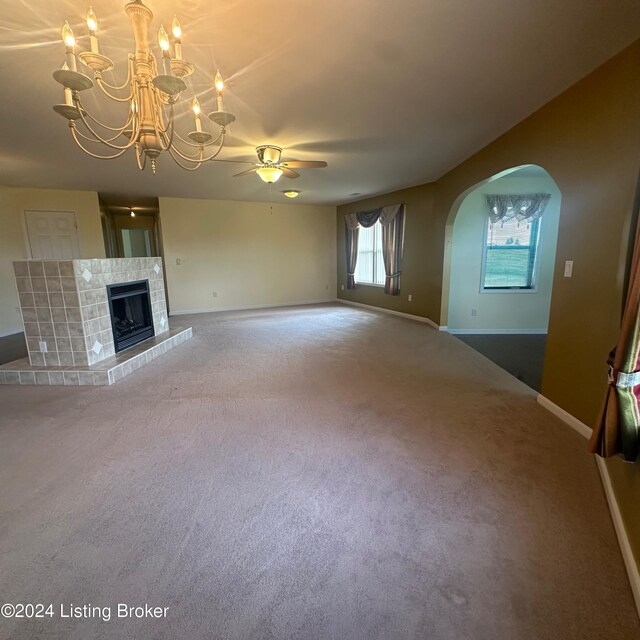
53 235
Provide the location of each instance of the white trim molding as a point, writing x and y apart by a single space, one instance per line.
565 416
428 321
623 539
630 563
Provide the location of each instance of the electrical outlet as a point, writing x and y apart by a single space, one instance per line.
43 346
341 287
215 294
178 261
474 312
410 297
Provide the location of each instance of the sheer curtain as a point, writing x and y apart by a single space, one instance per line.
370 266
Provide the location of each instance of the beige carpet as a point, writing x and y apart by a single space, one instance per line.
314 472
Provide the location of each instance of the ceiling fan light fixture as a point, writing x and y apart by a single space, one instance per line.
269 174
291 194
269 154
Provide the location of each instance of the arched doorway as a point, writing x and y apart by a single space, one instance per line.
499 277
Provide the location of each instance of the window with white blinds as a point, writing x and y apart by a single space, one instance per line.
370 265
510 255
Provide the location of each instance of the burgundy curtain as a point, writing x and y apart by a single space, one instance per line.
618 427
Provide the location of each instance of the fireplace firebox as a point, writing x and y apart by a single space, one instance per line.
130 308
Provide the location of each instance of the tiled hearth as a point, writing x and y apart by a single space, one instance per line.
106 372
67 321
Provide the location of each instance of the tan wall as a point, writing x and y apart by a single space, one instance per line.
246 252
421 266
588 139
13 240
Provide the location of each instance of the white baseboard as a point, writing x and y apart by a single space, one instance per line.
184 312
565 416
633 572
482 332
623 539
443 327
431 323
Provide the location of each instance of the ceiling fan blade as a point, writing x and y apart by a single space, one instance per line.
289 173
232 161
244 173
305 164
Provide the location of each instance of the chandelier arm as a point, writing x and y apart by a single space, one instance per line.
140 154
99 138
100 81
89 153
157 118
195 168
119 130
202 159
106 142
166 140
94 140
194 158
221 138
165 134
103 86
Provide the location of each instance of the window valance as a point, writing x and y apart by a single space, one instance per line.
504 207
367 219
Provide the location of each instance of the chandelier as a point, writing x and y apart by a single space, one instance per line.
149 91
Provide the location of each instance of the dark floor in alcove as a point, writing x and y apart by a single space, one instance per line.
521 355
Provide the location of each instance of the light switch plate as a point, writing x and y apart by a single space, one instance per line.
43 346
568 268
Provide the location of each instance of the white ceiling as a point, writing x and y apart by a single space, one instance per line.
389 94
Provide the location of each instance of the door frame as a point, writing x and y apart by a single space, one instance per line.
139 222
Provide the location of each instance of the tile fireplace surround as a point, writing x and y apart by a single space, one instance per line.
67 321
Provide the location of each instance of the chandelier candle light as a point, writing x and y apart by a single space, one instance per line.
150 92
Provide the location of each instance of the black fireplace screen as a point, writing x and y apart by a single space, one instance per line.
130 309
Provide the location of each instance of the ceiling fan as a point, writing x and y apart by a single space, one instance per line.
270 167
